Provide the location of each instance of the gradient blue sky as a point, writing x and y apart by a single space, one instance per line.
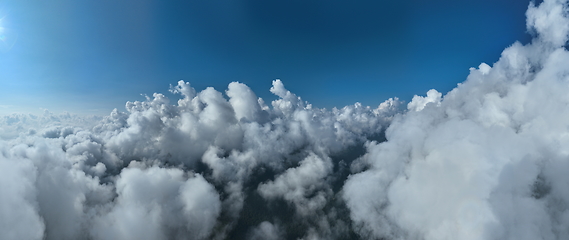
91 56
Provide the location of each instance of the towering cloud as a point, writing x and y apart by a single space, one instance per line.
488 160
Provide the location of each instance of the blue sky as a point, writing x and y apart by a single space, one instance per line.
92 56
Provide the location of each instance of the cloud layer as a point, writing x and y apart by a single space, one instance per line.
182 171
488 160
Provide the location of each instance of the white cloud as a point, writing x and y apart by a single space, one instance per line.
478 164
18 204
549 21
159 203
150 173
418 102
18 124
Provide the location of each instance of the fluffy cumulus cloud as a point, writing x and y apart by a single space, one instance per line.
159 203
488 160
209 166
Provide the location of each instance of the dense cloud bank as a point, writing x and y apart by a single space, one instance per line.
51 125
205 167
488 160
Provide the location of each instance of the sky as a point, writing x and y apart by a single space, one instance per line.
485 160
90 57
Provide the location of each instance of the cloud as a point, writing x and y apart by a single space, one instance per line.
18 204
296 184
15 125
159 203
266 231
482 163
180 171
549 22
418 102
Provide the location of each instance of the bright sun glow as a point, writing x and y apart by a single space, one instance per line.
7 36
2 29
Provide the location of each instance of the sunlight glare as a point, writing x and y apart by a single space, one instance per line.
7 36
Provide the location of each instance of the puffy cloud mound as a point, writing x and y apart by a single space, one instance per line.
489 160
159 203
